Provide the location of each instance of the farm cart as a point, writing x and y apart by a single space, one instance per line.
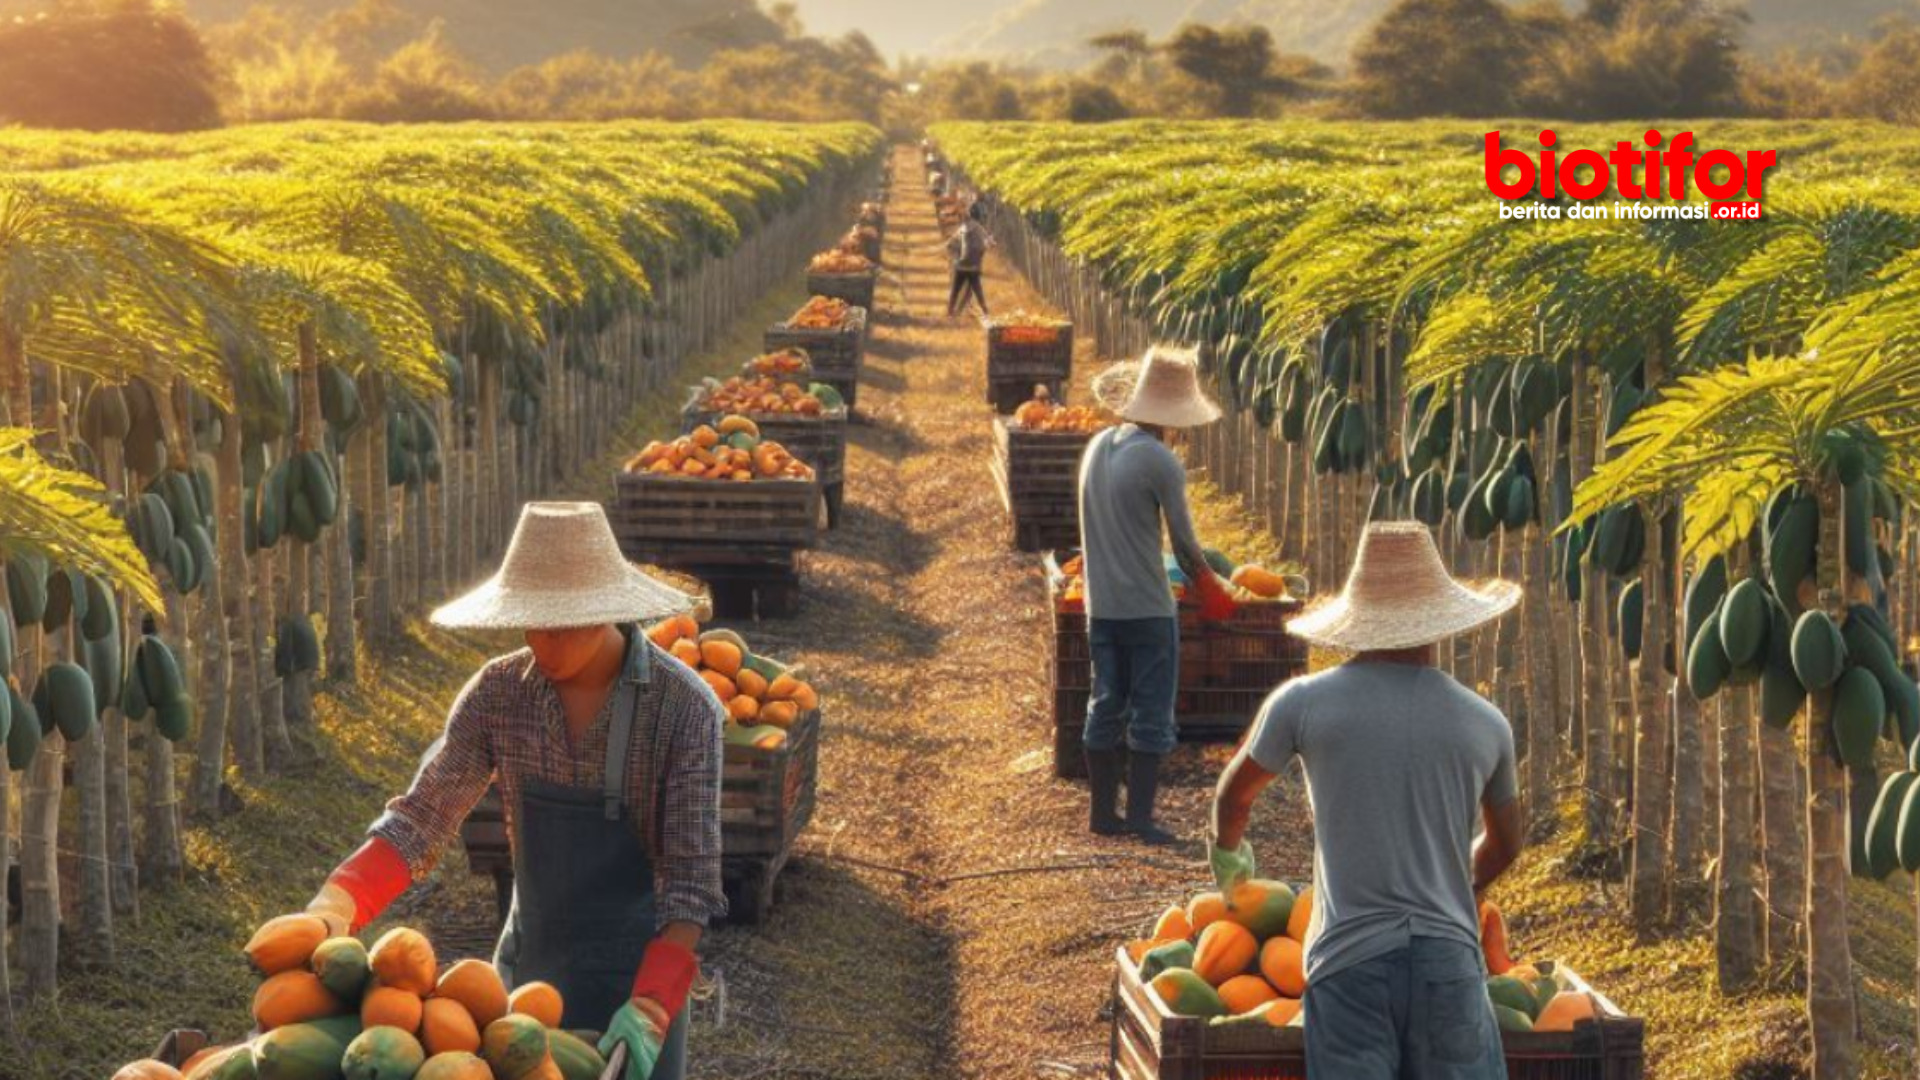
1038 474
820 441
1226 670
855 289
835 352
1149 1042
766 800
742 539
1024 354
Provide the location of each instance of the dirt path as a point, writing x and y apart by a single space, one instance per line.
884 957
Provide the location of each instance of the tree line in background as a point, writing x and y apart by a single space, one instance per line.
144 65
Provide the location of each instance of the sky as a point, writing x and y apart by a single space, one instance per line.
897 26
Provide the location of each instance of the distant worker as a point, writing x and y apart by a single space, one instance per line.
968 247
1401 763
1130 484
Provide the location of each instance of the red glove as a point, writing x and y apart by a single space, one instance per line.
1216 602
373 877
665 976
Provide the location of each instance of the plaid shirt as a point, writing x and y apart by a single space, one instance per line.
508 726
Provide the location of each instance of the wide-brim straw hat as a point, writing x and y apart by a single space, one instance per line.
563 570
1399 596
1166 391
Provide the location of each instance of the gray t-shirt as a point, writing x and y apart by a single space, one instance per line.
1399 759
1129 481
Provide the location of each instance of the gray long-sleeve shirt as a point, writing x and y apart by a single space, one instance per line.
1129 482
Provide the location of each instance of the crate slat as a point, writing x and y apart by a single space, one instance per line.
855 289
1038 477
1015 368
649 510
836 354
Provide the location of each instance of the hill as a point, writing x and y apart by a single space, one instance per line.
499 35
1053 33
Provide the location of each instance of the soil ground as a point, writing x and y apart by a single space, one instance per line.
948 915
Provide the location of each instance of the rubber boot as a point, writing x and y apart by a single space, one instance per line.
1103 781
1143 785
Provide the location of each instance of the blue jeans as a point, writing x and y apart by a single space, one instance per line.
1419 1012
1136 669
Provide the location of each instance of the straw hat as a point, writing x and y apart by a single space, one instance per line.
564 569
1113 386
1399 595
1167 393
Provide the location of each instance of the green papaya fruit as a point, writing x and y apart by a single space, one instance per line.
104 414
304 1051
102 660
575 1058
23 738
159 671
102 617
339 399
27 586
1610 539
1630 614
8 642
1174 954
69 699
1781 696
1744 621
302 525
1187 994
318 487
1707 664
181 568
1790 549
174 719
1883 825
343 967
1819 653
382 1053
64 590
200 547
1906 835
1859 710
1217 559
1510 1019
1515 994
157 527
273 507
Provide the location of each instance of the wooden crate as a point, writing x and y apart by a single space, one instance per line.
855 289
1038 474
820 441
1226 671
1147 1042
743 581
1015 368
766 800
650 512
836 355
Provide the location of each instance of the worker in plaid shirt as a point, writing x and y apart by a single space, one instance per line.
607 755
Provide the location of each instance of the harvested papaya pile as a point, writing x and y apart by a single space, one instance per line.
731 450
763 696
1042 413
333 1009
767 395
790 364
1022 328
840 262
1250 582
1245 964
821 313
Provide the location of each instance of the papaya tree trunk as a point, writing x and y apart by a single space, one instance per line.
380 613
243 694
1734 929
1689 809
46 784
1782 819
273 716
161 859
1652 793
1543 685
1830 1001
341 650
124 877
210 765
297 688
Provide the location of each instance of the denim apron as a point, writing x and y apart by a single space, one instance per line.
583 903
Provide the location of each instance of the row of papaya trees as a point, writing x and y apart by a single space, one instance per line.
267 390
1693 441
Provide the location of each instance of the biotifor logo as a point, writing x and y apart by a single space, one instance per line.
1665 171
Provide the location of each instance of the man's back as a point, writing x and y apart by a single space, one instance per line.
1128 481
1398 759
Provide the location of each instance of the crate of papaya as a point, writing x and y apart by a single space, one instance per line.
829 335
1212 993
847 275
1025 351
1227 669
726 506
1036 466
771 758
336 1007
808 418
